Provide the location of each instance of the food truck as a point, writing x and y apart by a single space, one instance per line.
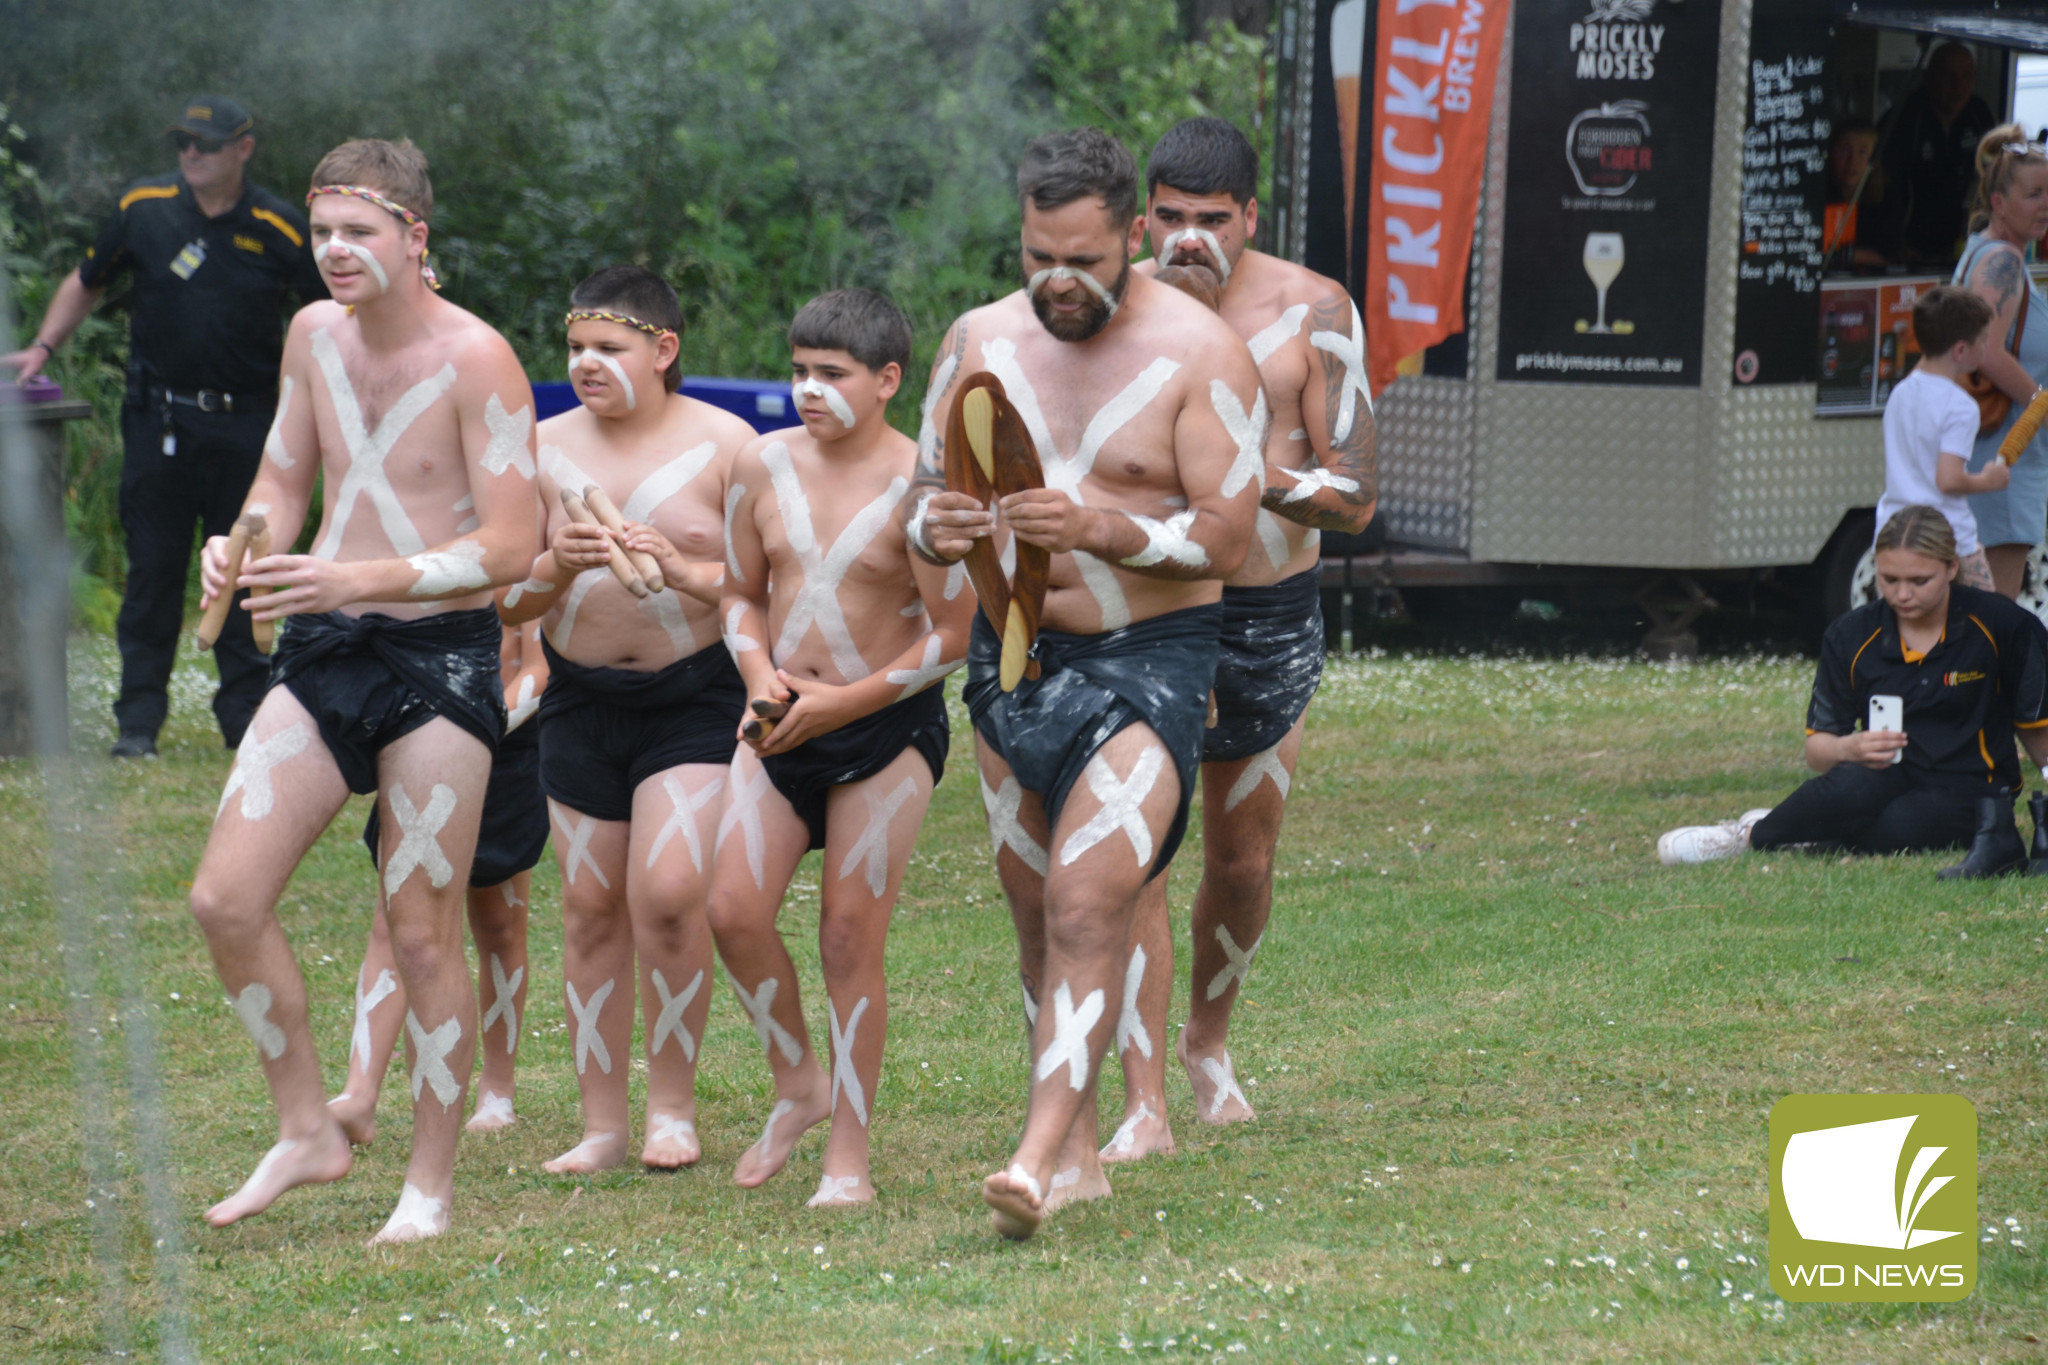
1650 370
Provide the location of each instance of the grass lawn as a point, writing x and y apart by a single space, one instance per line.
1512 1075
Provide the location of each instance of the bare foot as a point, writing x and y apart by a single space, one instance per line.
597 1152
838 1191
1082 1182
493 1113
291 1163
787 1121
1142 1133
1015 1204
671 1142
1217 1096
357 1116
414 1220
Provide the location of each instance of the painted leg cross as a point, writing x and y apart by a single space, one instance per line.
1262 766
417 846
253 766
670 1018
589 1042
1123 801
1069 1046
1224 1077
743 811
873 844
432 1065
383 987
252 1007
1238 968
504 1003
766 1029
684 817
843 1075
1130 1025
579 836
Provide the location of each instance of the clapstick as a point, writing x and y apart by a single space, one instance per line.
622 568
215 618
607 515
989 455
2023 430
766 713
265 632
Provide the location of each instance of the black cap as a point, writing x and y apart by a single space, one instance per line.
215 117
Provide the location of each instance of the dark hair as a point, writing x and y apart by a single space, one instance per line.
639 293
1060 168
1204 156
396 170
860 322
1945 315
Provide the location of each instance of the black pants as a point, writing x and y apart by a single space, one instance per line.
1876 810
162 495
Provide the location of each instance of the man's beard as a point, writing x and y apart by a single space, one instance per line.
1095 311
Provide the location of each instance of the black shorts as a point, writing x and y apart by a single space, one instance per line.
604 731
1089 688
514 828
1269 662
370 680
807 774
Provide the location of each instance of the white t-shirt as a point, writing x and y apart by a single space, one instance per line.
1928 416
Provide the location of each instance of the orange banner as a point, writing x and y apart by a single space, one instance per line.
1432 90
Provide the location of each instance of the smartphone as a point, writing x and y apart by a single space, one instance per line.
1888 713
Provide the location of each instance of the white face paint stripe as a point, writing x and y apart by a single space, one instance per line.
1277 333
415 1214
504 1003
618 374
766 1029
743 808
732 502
1166 540
930 668
1069 1046
1247 431
927 430
1307 481
1351 351
1239 966
834 1189
683 816
1122 806
1039 281
417 846
252 1007
844 1078
334 246
872 848
367 451
1005 830
565 626
1224 1077
663 1128
589 1041
509 432
667 481
1130 1025
1261 767
817 599
579 836
254 762
524 703
1127 1132
835 401
459 567
383 988
669 1018
273 444
431 1052
1217 261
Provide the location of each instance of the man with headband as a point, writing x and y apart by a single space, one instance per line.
639 720
1320 475
417 419
1145 410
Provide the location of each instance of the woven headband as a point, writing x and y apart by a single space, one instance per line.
600 315
404 214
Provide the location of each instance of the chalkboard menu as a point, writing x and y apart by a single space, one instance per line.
1610 161
1784 187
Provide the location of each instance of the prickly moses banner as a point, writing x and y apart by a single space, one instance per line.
1433 75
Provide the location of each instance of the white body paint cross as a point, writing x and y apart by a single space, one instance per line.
1351 351
1123 803
743 809
253 763
382 989
835 1189
1262 766
667 481
667 1129
930 668
416 1213
844 1077
1130 1025
506 448
417 846
766 1029
1069 1046
432 1049
367 451
873 845
1005 830
684 816
589 1042
504 1003
1307 481
1238 968
578 835
1224 1077
1127 1132
252 1007
670 1018
817 600
1277 333
1247 431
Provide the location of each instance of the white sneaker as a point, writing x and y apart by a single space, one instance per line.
1708 843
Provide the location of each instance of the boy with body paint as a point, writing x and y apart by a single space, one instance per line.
510 838
832 618
636 725
1320 475
1148 418
386 675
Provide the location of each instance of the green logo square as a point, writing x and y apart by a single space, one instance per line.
1873 1198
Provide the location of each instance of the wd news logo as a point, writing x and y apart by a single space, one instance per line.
1873 1197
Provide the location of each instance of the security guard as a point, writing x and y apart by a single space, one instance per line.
212 257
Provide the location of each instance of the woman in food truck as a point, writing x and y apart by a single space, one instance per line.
2010 211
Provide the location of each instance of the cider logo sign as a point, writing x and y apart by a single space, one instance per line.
1608 147
1617 41
1873 1197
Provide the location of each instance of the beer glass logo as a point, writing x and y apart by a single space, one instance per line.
1873 1197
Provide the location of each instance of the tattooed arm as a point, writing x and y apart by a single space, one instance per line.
940 526
1999 277
1341 493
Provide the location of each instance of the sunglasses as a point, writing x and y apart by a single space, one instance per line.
206 146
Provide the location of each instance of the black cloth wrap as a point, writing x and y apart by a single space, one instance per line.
807 774
369 680
513 832
1268 665
604 731
1155 672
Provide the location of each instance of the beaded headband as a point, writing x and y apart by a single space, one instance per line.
600 315
400 211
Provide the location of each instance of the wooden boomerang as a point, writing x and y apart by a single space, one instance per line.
2022 432
600 504
622 567
215 618
989 455
265 632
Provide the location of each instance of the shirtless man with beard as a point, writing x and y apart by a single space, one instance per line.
1320 475
1145 410
386 673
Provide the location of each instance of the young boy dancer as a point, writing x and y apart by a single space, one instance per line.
637 723
386 672
830 616
509 842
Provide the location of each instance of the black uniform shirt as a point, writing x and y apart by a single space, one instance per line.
1963 698
211 317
